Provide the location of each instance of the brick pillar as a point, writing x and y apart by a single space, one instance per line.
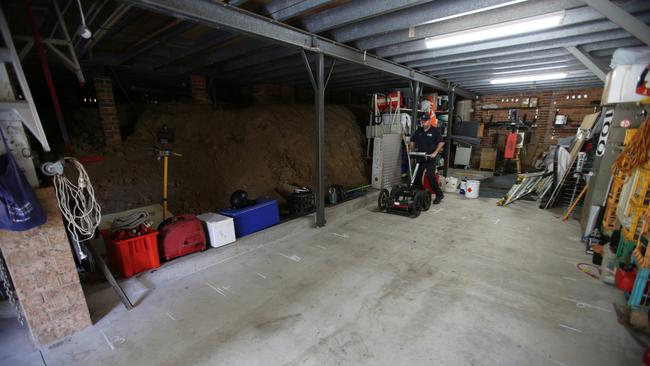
107 111
45 277
199 93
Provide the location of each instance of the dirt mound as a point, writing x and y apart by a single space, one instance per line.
255 149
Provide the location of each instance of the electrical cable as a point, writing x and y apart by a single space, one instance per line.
81 12
77 203
635 152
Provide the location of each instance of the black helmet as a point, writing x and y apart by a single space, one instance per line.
239 199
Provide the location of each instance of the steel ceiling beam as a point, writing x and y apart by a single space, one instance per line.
588 61
272 56
353 12
582 22
286 9
469 67
622 18
587 83
470 78
204 43
410 19
233 49
217 15
511 71
572 75
481 19
478 50
156 40
525 58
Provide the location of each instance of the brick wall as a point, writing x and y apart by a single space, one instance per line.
107 111
548 103
43 271
199 93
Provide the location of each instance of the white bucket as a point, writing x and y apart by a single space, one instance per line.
472 188
451 183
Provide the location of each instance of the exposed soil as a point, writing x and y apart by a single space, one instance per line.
254 149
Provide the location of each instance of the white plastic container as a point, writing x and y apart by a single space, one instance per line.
620 85
472 188
221 229
451 183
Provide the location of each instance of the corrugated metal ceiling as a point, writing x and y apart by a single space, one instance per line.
140 41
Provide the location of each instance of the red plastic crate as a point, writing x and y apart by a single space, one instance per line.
134 255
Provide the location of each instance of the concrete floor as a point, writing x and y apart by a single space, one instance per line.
467 283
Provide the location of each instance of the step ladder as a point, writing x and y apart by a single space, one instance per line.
24 110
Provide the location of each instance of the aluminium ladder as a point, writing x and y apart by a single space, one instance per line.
25 109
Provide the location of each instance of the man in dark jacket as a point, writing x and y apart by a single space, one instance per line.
429 140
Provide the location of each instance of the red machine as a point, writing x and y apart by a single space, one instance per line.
180 235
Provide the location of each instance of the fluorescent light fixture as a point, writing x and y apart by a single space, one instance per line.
529 70
474 11
516 27
525 79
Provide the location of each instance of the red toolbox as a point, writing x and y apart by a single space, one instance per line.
134 255
180 235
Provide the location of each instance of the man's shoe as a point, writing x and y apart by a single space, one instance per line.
437 200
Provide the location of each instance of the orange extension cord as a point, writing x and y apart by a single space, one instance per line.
635 153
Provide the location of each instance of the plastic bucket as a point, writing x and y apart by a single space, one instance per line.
472 188
451 183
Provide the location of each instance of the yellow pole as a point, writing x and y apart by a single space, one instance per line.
575 203
165 167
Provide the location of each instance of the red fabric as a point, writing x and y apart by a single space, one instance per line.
425 182
511 146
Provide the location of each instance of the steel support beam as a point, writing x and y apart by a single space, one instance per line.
286 9
588 61
318 83
416 92
76 67
353 12
622 18
217 15
450 127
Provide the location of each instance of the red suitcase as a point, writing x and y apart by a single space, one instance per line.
180 235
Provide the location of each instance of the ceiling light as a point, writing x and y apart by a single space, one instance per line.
529 70
496 31
524 79
83 31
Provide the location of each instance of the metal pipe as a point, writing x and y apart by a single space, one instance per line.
450 126
319 103
64 29
48 76
416 89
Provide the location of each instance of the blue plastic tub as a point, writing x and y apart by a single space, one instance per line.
264 213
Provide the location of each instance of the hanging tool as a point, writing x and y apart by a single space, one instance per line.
82 215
